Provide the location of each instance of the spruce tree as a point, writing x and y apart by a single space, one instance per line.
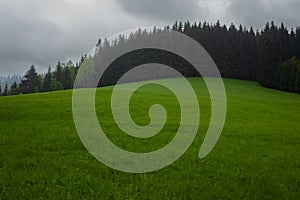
59 74
297 83
47 81
67 78
297 43
180 27
14 90
32 83
5 93
55 85
175 26
269 57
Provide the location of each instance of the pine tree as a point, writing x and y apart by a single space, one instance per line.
99 43
47 80
14 90
5 93
67 75
72 76
32 82
269 57
0 91
297 43
289 75
59 74
180 27
297 83
175 26
55 85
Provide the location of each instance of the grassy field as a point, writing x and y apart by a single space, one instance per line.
257 156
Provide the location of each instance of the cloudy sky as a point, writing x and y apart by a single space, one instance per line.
41 32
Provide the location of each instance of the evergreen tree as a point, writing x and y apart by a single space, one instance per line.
32 83
180 27
0 91
297 42
72 75
59 74
269 57
55 85
175 26
67 75
297 83
289 75
47 80
14 90
99 43
5 93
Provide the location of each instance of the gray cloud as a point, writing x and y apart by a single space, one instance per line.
257 13
25 41
43 32
168 10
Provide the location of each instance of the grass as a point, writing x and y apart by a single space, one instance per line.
256 157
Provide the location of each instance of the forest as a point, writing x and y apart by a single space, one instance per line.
269 56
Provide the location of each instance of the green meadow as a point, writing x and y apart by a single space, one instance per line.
256 157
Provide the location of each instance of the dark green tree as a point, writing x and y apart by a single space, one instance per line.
5 93
47 80
55 85
59 73
297 42
14 89
32 83
269 57
180 27
297 83
175 26
289 75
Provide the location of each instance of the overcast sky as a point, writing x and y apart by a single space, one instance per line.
41 32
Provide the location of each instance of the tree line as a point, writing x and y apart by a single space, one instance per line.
264 56
61 78
269 56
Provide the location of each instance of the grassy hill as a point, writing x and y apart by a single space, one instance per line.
257 156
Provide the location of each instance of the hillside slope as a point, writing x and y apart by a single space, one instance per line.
257 156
